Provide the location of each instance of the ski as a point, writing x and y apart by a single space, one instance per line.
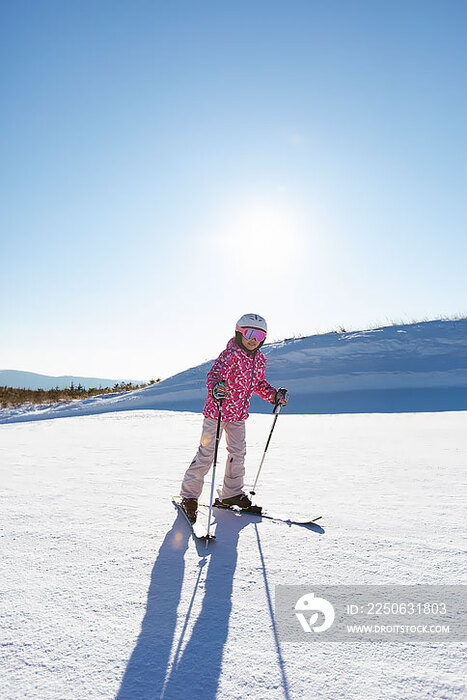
199 531
265 514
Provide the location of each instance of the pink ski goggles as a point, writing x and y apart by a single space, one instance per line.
250 333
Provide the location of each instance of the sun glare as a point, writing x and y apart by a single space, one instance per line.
263 239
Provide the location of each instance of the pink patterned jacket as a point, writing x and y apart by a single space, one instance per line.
244 374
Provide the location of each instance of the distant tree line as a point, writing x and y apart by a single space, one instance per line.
9 396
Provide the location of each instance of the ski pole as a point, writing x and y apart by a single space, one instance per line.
276 410
214 467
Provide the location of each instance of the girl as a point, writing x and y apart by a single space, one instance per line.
237 373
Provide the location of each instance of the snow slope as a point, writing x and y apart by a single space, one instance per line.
106 595
418 367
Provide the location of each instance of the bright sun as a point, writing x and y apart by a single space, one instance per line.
263 239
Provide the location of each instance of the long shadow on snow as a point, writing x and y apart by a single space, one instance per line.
196 666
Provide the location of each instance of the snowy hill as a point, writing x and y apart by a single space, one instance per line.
31 380
417 367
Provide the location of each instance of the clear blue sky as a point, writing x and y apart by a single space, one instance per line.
169 166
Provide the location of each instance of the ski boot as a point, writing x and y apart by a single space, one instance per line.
190 506
242 501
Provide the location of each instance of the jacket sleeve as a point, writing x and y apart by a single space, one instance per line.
265 390
220 369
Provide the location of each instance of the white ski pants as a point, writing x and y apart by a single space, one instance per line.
235 467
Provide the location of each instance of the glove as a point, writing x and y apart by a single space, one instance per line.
282 396
220 391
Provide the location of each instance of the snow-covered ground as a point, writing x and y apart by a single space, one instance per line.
105 594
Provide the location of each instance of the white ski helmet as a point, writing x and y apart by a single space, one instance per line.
252 321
